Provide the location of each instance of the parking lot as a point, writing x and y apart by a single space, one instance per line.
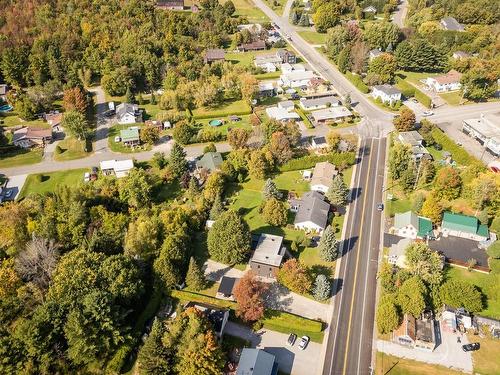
291 360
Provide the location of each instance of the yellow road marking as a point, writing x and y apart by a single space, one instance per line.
357 258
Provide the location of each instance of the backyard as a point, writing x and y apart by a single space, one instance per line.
8 119
47 182
21 157
237 107
118 146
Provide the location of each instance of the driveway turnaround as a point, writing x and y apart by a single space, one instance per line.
291 360
448 353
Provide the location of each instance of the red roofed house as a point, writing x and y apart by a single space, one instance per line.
447 82
30 137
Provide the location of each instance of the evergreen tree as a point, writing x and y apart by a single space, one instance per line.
338 191
348 101
328 245
322 288
153 357
194 277
270 190
177 160
217 209
129 96
344 60
387 317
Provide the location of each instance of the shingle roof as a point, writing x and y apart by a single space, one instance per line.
226 285
450 23
323 174
412 138
215 54
126 108
312 207
268 250
319 101
387 89
406 218
210 161
451 77
256 362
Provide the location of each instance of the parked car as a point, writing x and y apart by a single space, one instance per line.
380 206
9 193
291 339
427 113
471 347
303 342
414 100
86 177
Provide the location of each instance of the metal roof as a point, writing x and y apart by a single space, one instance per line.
256 362
268 250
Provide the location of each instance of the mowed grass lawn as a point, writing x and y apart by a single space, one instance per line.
237 107
313 37
452 98
71 148
485 360
227 125
21 157
415 77
489 284
115 146
49 181
8 119
388 364
247 8
246 58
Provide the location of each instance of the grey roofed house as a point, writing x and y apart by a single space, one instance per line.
257 362
286 104
267 255
128 113
217 316
319 102
212 55
210 161
387 89
226 286
411 138
312 208
450 23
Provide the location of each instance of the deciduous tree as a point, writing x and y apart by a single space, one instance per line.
411 296
432 208
400 158
387 317
76 124
75 99
448 183
275 212
280 147
149 134
423 262
458 293
295 276
406 120
249 296
238 138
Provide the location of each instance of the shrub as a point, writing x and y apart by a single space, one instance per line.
39 177
58 149
209 135
310 161
357 81
422 98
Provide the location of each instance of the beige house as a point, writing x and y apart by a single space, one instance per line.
322 177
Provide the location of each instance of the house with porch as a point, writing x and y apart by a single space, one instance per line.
28 137
387 93
130 136
410 225
311 212
445 83
318 103
331 114
119 168
127 113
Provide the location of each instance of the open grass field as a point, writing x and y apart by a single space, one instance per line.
114 131
21 157
313 37
247 8
49 181
238 107
485 360
71 149
489 284
415 77
8 119
246 58
388 364
452 98
227 125
276 5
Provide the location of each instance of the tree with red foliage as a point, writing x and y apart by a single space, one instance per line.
249 297
75 99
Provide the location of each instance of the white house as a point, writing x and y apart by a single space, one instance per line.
334 114
397 252
322 176
319 143
318 103
444 83
127 113
281 114
410 225
387 93
298 67
311 212
120 168
296 78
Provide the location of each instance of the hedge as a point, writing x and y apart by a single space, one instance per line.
457 152
304 118
422 98
407 89
310 161
358 82
202 298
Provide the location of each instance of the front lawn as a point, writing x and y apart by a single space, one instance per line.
115 146
388 364
227 125
238 107
452 98
489 284
49 181
8 119
71 149
484 361
313 37
246 8
415 77
21 157
397 206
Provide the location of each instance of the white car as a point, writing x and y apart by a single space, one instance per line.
303 342
86 177
427 113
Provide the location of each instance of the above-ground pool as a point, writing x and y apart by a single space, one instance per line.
215 122
5 108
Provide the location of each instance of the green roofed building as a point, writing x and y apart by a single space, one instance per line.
211 161
410 225
130 136
464 226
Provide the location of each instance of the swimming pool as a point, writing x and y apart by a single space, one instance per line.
215 122
5 108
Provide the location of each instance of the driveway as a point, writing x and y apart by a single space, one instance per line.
277 297
449 353
291 360
456 248
15 184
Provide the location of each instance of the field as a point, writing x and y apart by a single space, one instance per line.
238 107
388 364
313 37
21 157
489 284
8 119
484 359
49 181
247 8
71 149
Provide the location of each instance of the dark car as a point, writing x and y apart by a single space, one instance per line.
471 347
380 206
291 339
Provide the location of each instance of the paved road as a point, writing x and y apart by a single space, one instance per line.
349 346
400 14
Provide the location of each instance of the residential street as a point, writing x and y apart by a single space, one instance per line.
400 14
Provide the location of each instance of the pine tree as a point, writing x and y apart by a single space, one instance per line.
338 191
177 160
194 277
153 356
328 246
322 288
129 96
270 190
217 209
